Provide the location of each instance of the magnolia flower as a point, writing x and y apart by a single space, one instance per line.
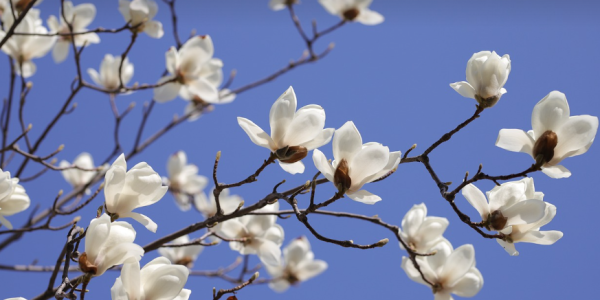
19 6
108 244
512 203
281 4
229 203
78 178
24 48
79 17
421 232
157 280
184 181
109 72
126 190
530 233
184 256
142 12
259 234
356 164
293 133
196 106
193 72
451 272
353 10
555 135
13 198
486 75
299 265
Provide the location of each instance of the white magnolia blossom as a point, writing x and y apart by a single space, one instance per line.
24 48
281 4
353 10
356 164
451 271
185 256
421 232
184 180
260 234
13 198
299 265
79 17
19 5
487 73
157 280
126 190
293 133
108 74
194 74
512 203
208 207
530 233
555 135
78 178
196 106
108 244
142 12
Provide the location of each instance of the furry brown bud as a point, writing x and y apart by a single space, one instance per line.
86 266
497 220
545 145
341 177
290 155
351 14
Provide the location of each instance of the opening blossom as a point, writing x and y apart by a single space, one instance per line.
24 48
108 75
13 198
355 164
512 203
108 244
451 271
78 178
531 233
421 232
208 207
185 256
487 73
126 190
299 265
142 12
184 181
260 235
555 135
293 133
353 10
157 280
80 17
193 72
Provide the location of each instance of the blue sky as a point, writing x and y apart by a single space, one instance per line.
392 80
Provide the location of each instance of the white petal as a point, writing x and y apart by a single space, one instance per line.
515 140
413 219
369 17
279 286
469 285
509 247
550 113
269 253
166 282
203 42
577 133
557 171
525 212
541 237
366 162
321 139
310 269
144 220
117 292
307 124
281 115
130 278
431 230
364 196
183 295
154 29
346 142
96 235
295 168
5 222
477 199
460 261
255 133
118 255
95 76
464 89
166 92
323 165
27 69
60 51
172 60
334 7
233 229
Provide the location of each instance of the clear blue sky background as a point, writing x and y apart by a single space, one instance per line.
392 81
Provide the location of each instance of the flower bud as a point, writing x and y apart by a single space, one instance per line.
85 265
290 155
341 178
351 14
497 220
544 146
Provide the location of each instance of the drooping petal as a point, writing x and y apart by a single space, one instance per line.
509 247
550 113
294 168
144 220
364 196
464 89
557 171
541 237
515 140
369 17
256 134
477 199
